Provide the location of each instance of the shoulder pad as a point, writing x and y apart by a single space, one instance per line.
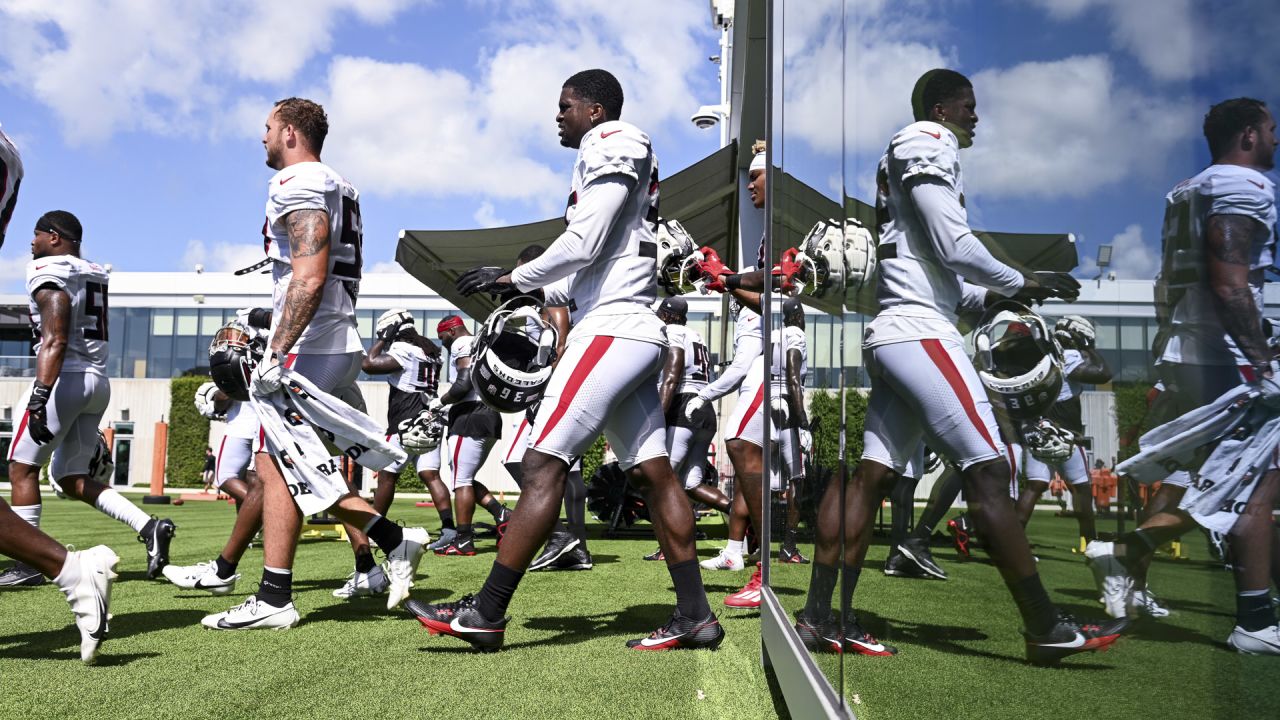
925 148
614 148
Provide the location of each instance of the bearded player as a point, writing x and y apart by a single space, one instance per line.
313 238
607 380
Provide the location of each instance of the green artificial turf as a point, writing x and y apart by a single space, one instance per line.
961 651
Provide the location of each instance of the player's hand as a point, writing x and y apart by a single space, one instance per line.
435 405
38 414
390 323
1081 330
1042 285
713 268
267 375
206 400
483 279
694 406
806 440
1268 383
788 269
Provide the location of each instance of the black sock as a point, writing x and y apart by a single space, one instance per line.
226 568
364 561
691 597
464 532
446 519
1039 614
493 506
493 598
850 583
822 582
1254 611
386 534
276 588
789 539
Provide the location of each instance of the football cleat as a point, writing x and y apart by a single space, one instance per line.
1255 642
1142 602
501 522
897 565
86 579
1069 637
820 636
558 544
447 537
791 556
724 561
576 559
201 576
464 546
461 619
1112 577
749 595
961 535
402 564
682 633
360 584
21 575
157 535
253 614
916 550
857 640
656 555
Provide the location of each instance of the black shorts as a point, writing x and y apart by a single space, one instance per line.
474 420
704 419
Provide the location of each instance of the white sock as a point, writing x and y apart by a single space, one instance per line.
735 547
116 507
30 513
278 571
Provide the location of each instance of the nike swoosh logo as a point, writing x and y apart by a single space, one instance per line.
455 625
1077 641
285 180
934 135
41 267
1255 182
101 632
200 585
228 625
615 132
654 642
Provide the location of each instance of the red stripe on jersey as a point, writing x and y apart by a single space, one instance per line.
22 426
951 373
1013 468
751 410
524 422
457 451
218 469
589 360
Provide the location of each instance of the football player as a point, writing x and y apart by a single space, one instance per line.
61 413
790 421
313 238
10 181
1218 239
473 429
607 379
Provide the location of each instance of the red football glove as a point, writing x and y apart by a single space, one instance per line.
787 270
712 267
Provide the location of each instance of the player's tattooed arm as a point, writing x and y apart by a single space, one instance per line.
795 388
671 376
54 305
309 253
1230 239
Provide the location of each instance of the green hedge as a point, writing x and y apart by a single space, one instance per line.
1131 416
188 433
824 409
592 459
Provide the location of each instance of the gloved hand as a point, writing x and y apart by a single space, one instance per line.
206 400
259 318
390 323
267 374
806 440
1080 329
787 270
1042 285
694 406
713 269
37 414
435 405
482 279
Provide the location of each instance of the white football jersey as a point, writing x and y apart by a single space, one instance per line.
784 341
612 257
697 359
418 372
1199 337
315 186
86 284
917 292
462 349
1071 359
242 421
10 180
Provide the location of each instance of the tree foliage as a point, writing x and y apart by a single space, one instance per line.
188 434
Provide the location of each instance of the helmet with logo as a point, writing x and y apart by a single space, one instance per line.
1018 361
677 258
514 352
843 261
235 349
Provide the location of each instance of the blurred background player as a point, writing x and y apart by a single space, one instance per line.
10 181
473 429
67 296
788 370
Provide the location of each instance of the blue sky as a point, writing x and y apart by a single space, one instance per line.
145 118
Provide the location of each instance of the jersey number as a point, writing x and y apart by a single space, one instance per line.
95 306
353 235
701 362
428 376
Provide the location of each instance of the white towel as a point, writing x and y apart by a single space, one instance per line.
1176 445
294 420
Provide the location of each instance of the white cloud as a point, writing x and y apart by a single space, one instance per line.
220 257
13 273
1131 258
1069 128
485 216
1167 37
386 266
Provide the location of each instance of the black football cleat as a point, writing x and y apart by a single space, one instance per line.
820 636
461 619
916 551
558 544
578 558
897 565
1069 637
656 555
463 545
857 640
790 555
157 535
682 633
21 575
500 524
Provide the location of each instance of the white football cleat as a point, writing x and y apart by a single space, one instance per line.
253 615
360 584
201 576
86 581
724 561
1142 602
402 564
1256 642
1111 576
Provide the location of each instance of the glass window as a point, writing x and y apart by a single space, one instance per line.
188 322
161 322
210 321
